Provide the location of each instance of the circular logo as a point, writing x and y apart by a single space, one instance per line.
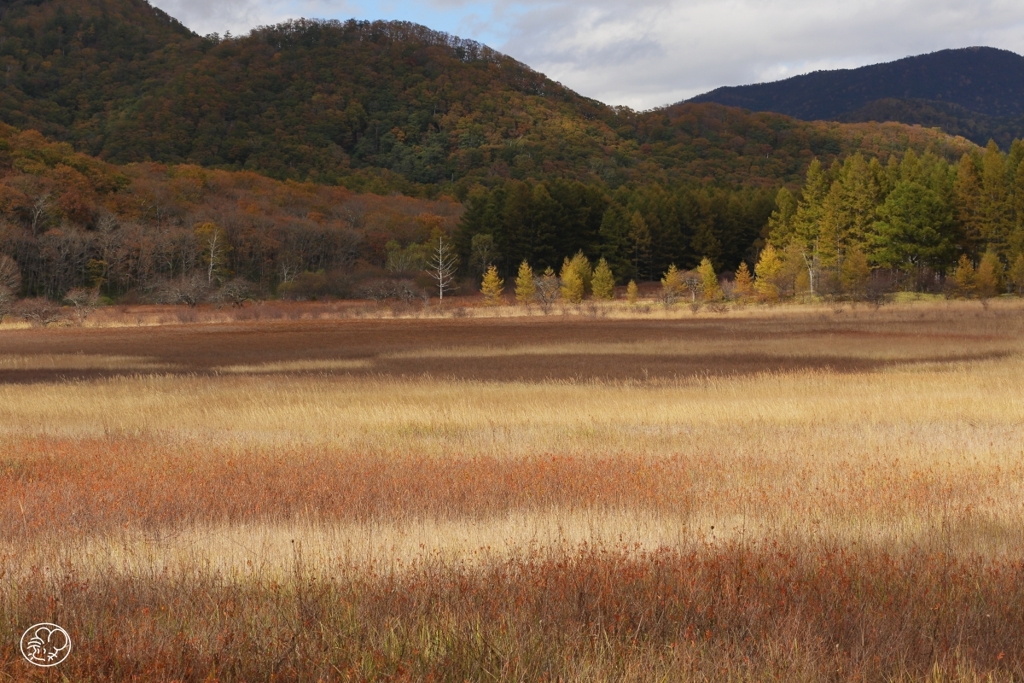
45 645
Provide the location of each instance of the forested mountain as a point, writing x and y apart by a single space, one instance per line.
975 92
146 162
380 106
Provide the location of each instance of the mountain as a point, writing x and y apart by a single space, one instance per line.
975 92
378 106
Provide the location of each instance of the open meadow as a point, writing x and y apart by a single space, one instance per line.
796 493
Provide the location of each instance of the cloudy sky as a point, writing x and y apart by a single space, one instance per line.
646 53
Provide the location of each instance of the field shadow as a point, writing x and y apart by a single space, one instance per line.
534 368
528 350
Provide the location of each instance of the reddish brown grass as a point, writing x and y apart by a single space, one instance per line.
853 514
735 613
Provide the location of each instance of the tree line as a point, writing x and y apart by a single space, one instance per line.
857 229
150 232
917 221
638 229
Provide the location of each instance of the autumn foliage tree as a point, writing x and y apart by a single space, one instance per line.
603 283
965 277
671 286
632 292
709 281
571 283
526 288
492 286
766 272
988 276
744 282
1016 274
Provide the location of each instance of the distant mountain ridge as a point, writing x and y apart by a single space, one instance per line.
976 92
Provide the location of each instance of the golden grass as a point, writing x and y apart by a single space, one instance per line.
242 474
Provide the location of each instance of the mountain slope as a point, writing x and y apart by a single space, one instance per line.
951 118
66 64
379 106
981 79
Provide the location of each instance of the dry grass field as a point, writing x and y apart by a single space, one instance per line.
789 494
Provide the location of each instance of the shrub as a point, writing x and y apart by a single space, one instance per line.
39 311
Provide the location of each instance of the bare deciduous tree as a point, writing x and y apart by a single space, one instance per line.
382 290
84 301
547 288
190 290
10 274
214 244
236 292
442 264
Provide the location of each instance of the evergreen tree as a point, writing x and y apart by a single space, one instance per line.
855 273
1016 242
632 292
640 237
796 275
833 229
492 287
780 223
967 193
483 253
744 285
989 276
964 276
807 223
671 285
996 217
581 264
914 230
861 195
766 272
1016 274
709 280
704 238
911 168
526 290
571 286
603 283
616 245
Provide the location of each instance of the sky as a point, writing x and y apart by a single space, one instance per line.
648 53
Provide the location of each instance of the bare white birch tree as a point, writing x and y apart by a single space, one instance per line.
442 265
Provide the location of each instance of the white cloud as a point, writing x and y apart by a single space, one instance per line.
646 53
